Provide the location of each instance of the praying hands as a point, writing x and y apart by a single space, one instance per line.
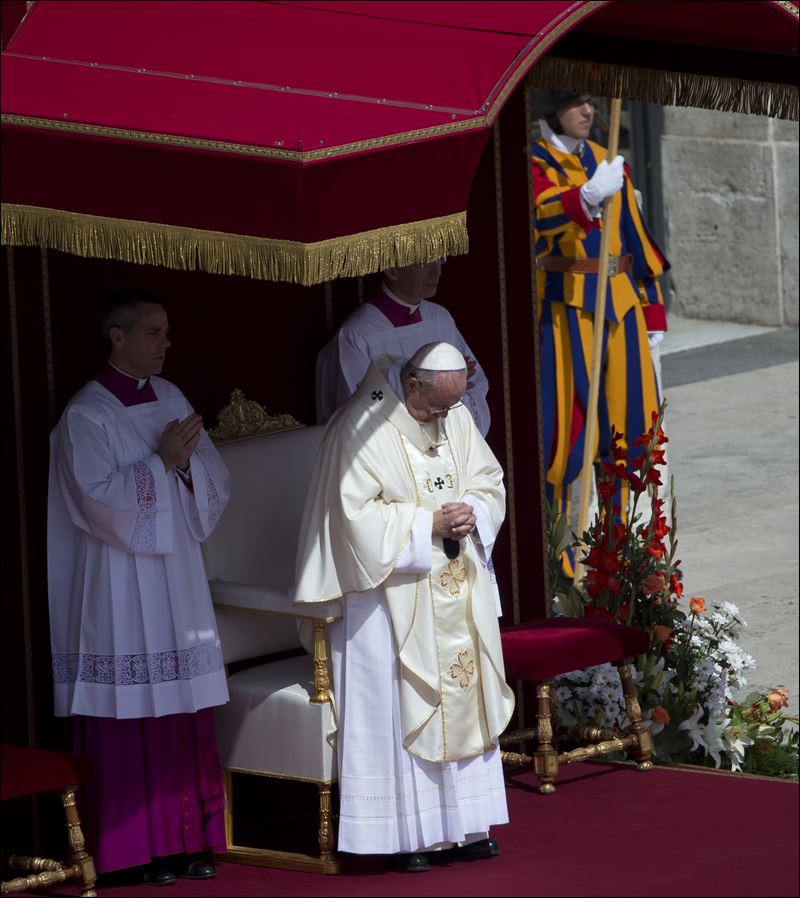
454 520
179 440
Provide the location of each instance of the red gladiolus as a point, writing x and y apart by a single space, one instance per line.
654 583
624 608
637 485
597 581
607 490
654 476
657 550
619 452
660 528
675 585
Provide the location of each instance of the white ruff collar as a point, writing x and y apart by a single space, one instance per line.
572 145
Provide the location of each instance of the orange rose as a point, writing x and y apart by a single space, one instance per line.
660 715
778 698
661 632
697 605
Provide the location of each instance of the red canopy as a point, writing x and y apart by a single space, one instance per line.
303 141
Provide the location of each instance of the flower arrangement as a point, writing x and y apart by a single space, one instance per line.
687 681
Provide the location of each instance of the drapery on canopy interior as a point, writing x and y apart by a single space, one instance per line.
304 141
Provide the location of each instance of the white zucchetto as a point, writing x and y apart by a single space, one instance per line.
438 357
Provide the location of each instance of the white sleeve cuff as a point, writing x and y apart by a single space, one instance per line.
417 557
484 534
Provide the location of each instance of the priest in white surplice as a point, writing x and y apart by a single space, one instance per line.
135 487
401 516
391 325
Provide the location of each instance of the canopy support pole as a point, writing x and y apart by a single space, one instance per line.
595 373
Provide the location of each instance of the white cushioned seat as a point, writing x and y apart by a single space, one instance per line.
279 715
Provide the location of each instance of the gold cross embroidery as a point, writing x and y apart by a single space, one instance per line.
463 669
453 577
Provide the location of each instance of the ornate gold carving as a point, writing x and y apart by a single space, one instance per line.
594 751
325 824
322 682
453 577
243 418
463 670
590 734
513 757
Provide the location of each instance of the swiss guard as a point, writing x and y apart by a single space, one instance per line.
572 176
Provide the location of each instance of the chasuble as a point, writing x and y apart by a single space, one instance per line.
367 525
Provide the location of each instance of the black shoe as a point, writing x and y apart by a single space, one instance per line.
474 851
194 866
410 863
158 874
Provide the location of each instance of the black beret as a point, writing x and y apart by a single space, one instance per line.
548 102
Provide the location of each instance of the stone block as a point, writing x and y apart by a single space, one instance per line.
689 122
705 166
788 202
725 280
784 131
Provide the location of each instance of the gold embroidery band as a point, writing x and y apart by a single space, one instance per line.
263 258
668 88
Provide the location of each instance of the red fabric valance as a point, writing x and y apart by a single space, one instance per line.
312 139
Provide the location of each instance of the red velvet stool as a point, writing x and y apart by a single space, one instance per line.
27 771
538 651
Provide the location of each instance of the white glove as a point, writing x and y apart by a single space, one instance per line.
605 182
654 338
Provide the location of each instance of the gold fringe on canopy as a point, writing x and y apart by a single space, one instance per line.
667 88
149 243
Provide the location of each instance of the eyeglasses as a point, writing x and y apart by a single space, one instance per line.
444 411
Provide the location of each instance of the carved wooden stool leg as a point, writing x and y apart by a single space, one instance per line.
325 824
78 857
52 873
545 758
642 751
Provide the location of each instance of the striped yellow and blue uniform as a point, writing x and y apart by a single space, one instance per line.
634 305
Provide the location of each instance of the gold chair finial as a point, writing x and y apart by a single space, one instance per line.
243 418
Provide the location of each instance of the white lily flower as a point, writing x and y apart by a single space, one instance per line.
737 739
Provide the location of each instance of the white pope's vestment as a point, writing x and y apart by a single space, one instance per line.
419 683
368 335
133 632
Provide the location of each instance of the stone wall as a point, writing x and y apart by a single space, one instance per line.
731 204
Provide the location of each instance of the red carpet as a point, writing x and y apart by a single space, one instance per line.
608 830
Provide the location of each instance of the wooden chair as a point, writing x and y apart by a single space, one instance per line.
279 716
539 651
29 771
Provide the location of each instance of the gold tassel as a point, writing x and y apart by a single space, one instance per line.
668 88
149 243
